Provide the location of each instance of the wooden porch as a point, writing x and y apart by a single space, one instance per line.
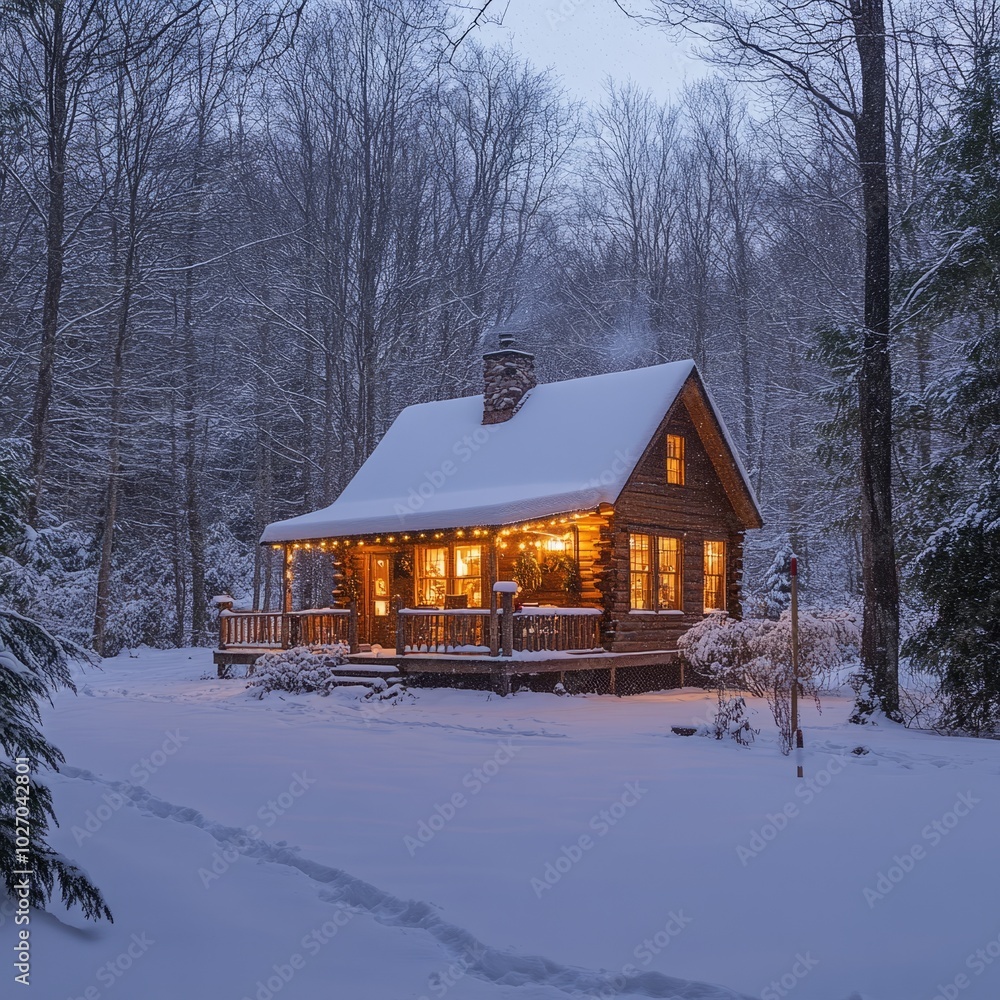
500 643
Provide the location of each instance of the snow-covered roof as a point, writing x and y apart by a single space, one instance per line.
570 446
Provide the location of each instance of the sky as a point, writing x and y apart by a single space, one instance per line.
584 41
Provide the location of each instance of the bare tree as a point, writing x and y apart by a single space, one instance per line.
834 54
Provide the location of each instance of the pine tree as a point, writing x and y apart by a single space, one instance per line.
957 574
778 582
32 665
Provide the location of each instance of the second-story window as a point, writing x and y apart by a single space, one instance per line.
675 459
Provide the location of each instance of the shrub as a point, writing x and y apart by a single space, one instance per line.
300 670
755 655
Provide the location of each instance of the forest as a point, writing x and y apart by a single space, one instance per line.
238 237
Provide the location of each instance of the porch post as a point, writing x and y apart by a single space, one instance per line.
507 623
287 579
352 628
400 627
494 621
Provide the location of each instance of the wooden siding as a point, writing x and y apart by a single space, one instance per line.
699 510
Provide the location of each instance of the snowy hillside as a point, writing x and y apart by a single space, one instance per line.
530 847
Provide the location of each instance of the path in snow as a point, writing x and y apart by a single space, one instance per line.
490 964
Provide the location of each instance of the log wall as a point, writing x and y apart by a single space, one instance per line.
699 510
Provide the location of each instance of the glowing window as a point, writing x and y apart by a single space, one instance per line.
675 459
640 572
668 590
446 570
432 574
468 577
715 576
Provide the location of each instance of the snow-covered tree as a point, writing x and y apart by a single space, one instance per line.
777 596
32 665
957 573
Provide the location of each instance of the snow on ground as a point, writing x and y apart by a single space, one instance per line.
463 845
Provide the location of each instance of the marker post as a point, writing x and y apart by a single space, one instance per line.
796 732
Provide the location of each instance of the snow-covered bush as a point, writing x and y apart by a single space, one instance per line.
731 718
755 655
47 571
755 652
313 670
300 670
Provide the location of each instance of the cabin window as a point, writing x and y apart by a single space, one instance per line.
655 573
715 576
468 577
640 572
449 569
432 574
675 459
668 592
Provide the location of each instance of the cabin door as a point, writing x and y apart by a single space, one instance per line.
378 603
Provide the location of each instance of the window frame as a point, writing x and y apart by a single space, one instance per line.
654 576
451 579
646 574
679 458
722 575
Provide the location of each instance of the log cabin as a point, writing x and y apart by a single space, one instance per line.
580 525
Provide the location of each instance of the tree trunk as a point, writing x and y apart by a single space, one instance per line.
104 569
880 634
55 230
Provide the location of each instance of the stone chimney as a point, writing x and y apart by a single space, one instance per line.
508 375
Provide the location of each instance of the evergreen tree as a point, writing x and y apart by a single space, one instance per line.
32 665
957 574
778 582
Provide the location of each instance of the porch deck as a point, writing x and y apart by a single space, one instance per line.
474 642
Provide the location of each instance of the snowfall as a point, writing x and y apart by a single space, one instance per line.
455 843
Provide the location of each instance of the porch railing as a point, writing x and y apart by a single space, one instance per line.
430 631
473 631
282 630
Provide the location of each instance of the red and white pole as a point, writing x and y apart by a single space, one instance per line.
796 732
